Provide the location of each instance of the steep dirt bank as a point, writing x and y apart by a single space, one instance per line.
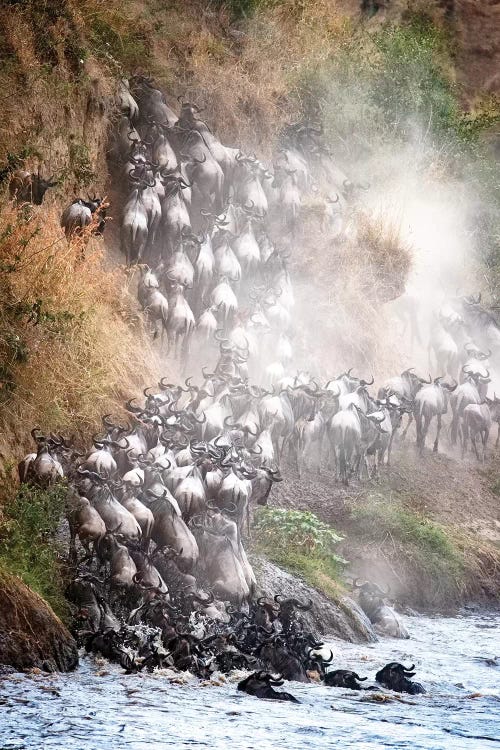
30 633
428 528
473 26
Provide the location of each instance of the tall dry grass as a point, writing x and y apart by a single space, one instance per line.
344 283
72 343
245 73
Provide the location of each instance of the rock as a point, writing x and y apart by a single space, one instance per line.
342 619
31 635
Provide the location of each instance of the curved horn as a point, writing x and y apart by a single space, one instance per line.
367 382
133 409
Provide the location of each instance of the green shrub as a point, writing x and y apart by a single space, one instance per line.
279 528
28 545
302 544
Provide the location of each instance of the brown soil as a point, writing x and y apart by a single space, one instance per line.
477 26
31 635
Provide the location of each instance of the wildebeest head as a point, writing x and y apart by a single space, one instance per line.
395 676
414 381
344 678
260 685
371 597
28 187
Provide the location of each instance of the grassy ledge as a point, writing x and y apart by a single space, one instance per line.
444 565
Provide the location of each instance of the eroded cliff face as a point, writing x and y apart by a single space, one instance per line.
474 27
477 27
31 635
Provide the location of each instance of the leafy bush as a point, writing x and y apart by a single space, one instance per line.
279 528
31 517
299 542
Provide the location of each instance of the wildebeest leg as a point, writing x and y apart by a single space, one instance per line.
418 424
464 436
285 442
454 427
358 464
177 348
342 464
410 420
423 432
474 444
498 436
436 441
484 436
389 449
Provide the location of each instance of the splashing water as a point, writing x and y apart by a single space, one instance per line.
100 706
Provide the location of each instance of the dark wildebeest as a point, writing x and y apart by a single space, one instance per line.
259 684
344 678
26 187
394 676
371 601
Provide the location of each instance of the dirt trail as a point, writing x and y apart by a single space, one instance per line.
451 492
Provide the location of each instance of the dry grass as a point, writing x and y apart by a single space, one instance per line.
349 279
384 258
73 345
51 99
199 51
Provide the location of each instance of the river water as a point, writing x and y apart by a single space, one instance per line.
99 707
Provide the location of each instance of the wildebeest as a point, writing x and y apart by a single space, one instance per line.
260 685
344 678
431 401
371 601
395 676
79 214
27 187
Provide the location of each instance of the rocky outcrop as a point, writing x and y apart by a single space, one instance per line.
341 619
31 635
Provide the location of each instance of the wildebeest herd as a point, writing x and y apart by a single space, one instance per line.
161 504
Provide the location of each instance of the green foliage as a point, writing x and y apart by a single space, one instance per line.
31 517
37 313
299 529
411 83
391 83
124 47
299 542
